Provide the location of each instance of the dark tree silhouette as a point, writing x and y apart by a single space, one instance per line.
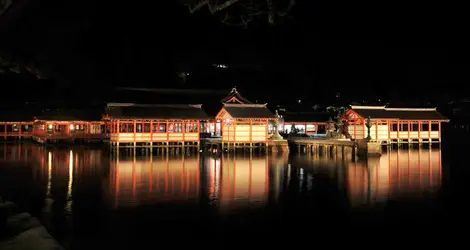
242 12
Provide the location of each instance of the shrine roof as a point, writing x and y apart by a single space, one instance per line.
248 111
156 111
382 112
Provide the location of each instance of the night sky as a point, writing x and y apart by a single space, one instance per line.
395 51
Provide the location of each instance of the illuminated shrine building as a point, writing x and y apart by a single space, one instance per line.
154 123
308 123
67 125
235 97
245 123
394 125
213 127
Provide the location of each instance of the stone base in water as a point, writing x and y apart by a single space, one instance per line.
278 145
365 148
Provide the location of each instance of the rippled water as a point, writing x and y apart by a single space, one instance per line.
90 199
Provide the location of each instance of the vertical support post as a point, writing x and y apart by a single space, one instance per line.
118 134
251 135
429 131
198 135
409 128
419 133
167 133
376 130
183 130
267 135
439 131
151 134
389 125
135 134
398 133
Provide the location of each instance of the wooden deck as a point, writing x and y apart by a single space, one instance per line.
16 130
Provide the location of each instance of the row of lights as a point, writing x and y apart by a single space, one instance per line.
72 127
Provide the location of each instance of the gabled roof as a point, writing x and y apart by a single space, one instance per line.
248 111
307 116
235 97
156 111
69 115
212 99
382 112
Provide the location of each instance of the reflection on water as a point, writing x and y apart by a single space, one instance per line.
397 174
62 183
153 179
229 181
242 181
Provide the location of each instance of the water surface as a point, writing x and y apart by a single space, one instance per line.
90 199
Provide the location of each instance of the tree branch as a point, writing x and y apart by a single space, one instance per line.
198 6
219 7
213 7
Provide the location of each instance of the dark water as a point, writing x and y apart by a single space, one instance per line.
89 200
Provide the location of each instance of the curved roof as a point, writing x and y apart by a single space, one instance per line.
382 112
235 97
248 111
156 111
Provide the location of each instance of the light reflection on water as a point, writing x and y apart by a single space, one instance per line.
68 181
153 179
397 174
227 181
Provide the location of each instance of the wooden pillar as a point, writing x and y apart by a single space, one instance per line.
251 135
118 132
439 130
376 130
222 134
167 133
5 130
151 134
183 129
234 134
409 127
21 125
398 132
429 131
419 132
199 135
135 134
267 137
389 125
